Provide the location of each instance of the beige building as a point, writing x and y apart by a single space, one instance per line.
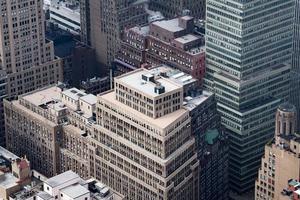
136 139
25 55
281 161
34 124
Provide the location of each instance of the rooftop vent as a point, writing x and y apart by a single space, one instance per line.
148 77
159 89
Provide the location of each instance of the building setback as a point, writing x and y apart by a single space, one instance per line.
281 161
137 139
25 55
247 47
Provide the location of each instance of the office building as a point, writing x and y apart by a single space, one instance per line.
173 8
295 86
103 22
281 162
171 42
248 46
40 125
141 148
25 55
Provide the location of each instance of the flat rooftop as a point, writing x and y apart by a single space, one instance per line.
170 25
7 180
175 75
7 154
90 99
161 122
62 178
191 103
44 195
74 93
75 191
43 96
141 30
187 38
135 81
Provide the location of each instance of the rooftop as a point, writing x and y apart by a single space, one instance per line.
8 180
74 93
175 75
44 195
43 96
211 135
141 30
170 25
187 38
135 81
90 99
287 107
192 102
7 154
75 191
61 178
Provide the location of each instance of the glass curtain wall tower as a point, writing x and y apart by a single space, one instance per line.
295 87
248 44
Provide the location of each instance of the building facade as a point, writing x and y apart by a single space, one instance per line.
280 163
171 42
137 139
3 94
247 47
295 87
103 22
26 56
173 8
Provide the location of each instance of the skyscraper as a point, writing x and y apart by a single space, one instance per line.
25 55
281 161
248 44
295 86
102 22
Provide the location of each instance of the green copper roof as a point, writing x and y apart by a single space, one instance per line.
211 135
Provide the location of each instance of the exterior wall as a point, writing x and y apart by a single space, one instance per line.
278 166
5 192
28 134
32 78
157 46
106 22
3 94
173 8
295 86
96 85
74 152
